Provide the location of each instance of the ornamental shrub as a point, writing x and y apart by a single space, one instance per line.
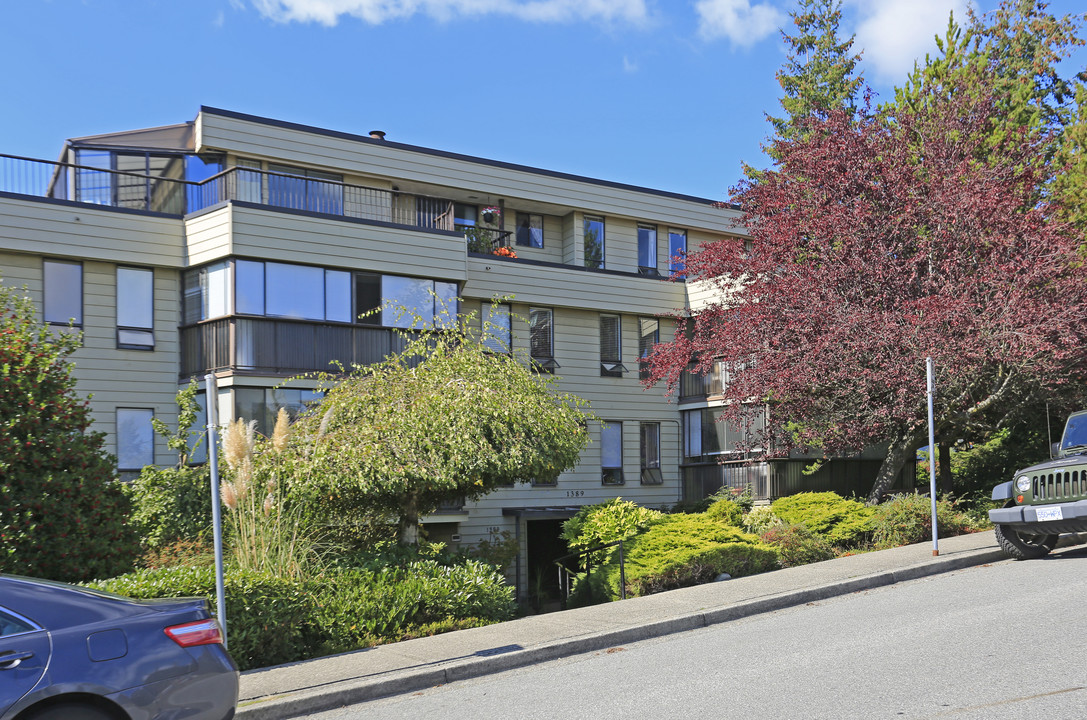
760 519
170 504
842 522
62 515
683 550
907 519
726 511
797 544
604 523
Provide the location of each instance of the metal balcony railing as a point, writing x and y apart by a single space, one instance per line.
282 347
164 193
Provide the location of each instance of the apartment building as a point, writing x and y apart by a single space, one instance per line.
260 250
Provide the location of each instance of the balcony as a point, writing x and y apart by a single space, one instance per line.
282 347
168 193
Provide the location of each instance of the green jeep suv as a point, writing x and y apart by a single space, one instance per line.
1047 499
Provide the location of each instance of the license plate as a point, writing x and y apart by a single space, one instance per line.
1049 513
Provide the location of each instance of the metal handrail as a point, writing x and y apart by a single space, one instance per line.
564 572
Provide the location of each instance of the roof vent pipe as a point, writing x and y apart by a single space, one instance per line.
377 134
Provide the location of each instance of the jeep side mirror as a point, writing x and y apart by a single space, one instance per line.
1053 449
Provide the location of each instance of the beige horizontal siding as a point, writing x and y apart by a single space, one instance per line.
207 236
364 158
88 232
571 287
282 236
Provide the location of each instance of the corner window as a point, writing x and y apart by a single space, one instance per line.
530 230
648 336
63 291
651 453
594 242
705 436
611 346
677 252
611 453
647 250
207 292
541 340
495 321
135 438
135 308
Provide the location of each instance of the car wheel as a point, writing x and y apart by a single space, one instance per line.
1023 546
70 711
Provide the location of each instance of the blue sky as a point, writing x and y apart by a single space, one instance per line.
669 94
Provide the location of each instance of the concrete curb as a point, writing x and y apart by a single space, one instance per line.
348 692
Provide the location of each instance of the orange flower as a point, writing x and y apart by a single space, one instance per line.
505 252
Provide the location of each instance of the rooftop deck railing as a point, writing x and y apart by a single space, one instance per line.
140 191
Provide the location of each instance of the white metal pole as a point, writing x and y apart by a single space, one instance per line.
929 371
212 401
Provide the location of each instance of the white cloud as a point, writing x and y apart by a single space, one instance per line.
375 12
895 33
741 22
629 65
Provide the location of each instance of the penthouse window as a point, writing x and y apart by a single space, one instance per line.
594 242
63 290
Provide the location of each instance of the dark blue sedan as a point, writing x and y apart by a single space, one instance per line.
69 653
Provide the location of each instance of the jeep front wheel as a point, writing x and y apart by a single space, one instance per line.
1023 546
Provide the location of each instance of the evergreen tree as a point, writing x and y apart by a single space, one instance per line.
820 74
62 515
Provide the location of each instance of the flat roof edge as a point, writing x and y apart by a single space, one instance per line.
365 139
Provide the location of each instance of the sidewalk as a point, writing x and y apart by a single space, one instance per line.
290 690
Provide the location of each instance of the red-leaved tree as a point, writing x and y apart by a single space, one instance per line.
881 239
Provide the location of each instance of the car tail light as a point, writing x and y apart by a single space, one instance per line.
201 632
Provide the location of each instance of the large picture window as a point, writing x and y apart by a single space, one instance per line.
611 452
135 308
705 436
594 242
63 286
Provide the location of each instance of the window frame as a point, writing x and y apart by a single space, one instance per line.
611 358
528 241
644 268
148 329
150 437
611 430
540 362
72 321
677 270
643 349
585 220
487 321
650 467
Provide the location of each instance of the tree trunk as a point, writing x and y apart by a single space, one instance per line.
898 453
946 483
408 525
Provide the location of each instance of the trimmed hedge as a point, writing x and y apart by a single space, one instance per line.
680 551
604 523
726 511
846 523
273 620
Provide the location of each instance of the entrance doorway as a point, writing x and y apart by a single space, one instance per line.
545 546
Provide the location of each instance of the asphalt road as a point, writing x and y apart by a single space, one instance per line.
1007 640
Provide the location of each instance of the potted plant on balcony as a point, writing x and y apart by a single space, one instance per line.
491 215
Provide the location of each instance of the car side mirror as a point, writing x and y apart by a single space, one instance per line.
1053 450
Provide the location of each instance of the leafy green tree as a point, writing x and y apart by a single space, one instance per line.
820 74
442 420
62 515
